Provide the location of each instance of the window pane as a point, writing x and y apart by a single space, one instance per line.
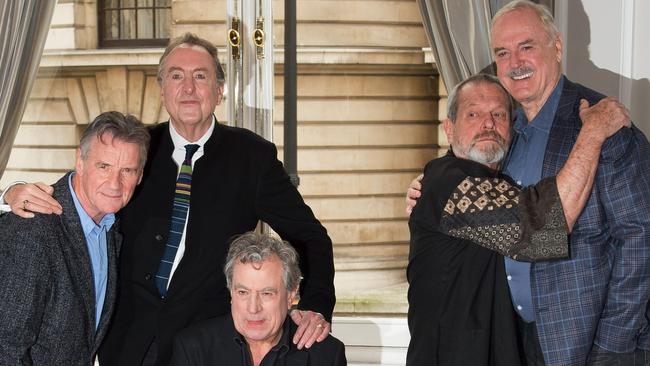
145 3
112 4
111 25
127 24
145 23
163 23
134 22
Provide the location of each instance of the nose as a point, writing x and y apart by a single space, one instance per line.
114 180
188 85
254 304
515 60
488 122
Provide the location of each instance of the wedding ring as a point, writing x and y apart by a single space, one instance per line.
319 325
25 202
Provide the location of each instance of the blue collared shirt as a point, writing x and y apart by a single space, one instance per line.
97 249
524 165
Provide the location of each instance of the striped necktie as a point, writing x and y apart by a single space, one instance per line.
179 216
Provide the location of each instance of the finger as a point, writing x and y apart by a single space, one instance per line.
45 188
37 206
416 184
22 213
37 196
410 204
302 333
312 332
324 333
413 193
42 195
297 318
584 104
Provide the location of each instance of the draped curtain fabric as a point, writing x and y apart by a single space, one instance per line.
459 35
23 30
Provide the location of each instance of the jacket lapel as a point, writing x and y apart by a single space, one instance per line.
77 251
114 242
564 131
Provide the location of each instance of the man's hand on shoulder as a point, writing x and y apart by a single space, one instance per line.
604 118
312 327
413 193
25 199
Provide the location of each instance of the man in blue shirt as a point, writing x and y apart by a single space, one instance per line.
58 273
591 308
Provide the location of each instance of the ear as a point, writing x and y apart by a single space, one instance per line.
448 125
79 164
558 48
220 93
291 297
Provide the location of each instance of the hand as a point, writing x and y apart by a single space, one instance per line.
25 199
312 327
413 193
605 118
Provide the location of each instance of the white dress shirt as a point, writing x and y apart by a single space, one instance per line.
178 156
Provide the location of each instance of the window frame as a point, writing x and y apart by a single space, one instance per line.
103 42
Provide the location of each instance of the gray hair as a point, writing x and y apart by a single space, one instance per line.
192 40
454 97
543 12
253 247
122 127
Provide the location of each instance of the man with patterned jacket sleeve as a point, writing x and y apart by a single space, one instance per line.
469 215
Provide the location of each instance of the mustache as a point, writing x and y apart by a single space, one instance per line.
490 134
519 71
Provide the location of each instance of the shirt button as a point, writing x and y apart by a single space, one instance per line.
147 276
509 278
519 307
158 237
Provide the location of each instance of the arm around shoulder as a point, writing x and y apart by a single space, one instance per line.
279 204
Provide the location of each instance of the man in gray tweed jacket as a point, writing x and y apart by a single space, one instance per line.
58 273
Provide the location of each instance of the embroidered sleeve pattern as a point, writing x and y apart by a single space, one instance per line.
524 224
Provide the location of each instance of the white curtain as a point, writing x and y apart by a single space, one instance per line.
23 30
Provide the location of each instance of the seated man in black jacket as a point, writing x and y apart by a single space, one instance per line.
469 215
263 277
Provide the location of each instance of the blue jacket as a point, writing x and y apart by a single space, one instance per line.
599 295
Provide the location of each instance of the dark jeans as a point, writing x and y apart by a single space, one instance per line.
601 357
530 341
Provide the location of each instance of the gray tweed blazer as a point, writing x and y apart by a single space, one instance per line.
47 295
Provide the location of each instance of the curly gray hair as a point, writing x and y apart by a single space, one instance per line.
253 247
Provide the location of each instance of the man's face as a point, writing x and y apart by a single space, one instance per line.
260 300
105 180
481 131
528 62
189 88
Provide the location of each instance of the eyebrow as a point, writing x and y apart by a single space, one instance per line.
529 40
175 68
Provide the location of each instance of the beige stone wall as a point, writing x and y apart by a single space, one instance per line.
74 25
368 112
